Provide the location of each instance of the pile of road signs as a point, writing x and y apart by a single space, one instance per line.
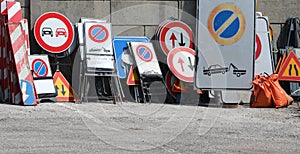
55 34
174 39
16 78
127 72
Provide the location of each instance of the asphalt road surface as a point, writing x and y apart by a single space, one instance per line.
147 128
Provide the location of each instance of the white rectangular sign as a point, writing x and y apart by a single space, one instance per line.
145 58
100 61
226 44
98 38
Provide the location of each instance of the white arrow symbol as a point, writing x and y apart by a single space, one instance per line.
25 96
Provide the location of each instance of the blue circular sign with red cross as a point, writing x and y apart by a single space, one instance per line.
144 53
40 68
226 24
98 33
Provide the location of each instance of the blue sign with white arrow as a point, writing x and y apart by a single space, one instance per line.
27 92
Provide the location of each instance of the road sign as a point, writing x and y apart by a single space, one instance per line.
181 63
98 38
119 44
290 70
175 34
225 41
263 51
28 93
144 53
65 92
54 32
40 68
42 75
226 23
133 78
145 58
98 33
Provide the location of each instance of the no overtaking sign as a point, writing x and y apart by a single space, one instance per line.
54 32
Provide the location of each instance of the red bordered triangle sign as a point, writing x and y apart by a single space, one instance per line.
133 78
65 92
290 70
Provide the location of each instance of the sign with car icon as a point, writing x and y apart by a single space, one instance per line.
54 32
47 31
218 69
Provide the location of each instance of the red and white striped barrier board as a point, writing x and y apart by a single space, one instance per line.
24 23
14 12
21 86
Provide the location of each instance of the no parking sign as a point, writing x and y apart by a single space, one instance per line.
226 44
145 58
40 66
98 38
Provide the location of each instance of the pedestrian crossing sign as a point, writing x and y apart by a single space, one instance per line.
290 70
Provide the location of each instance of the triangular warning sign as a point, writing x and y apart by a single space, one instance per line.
65 92
133 78
290 70
280 63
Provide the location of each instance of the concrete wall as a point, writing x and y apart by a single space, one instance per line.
141 17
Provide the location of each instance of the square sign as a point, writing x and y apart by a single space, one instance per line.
145 58
226 44
40 66
98 38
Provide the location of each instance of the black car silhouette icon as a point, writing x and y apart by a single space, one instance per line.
47 31
214 69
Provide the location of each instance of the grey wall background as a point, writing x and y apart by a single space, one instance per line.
141 17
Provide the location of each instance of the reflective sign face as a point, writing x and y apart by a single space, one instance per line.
226 44
54 32
226 23
98 38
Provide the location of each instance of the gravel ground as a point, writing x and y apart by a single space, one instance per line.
148 128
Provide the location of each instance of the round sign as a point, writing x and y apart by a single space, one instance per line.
40 68
144 53
181 63
98 33
175 34
226 24
54 32
258 47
